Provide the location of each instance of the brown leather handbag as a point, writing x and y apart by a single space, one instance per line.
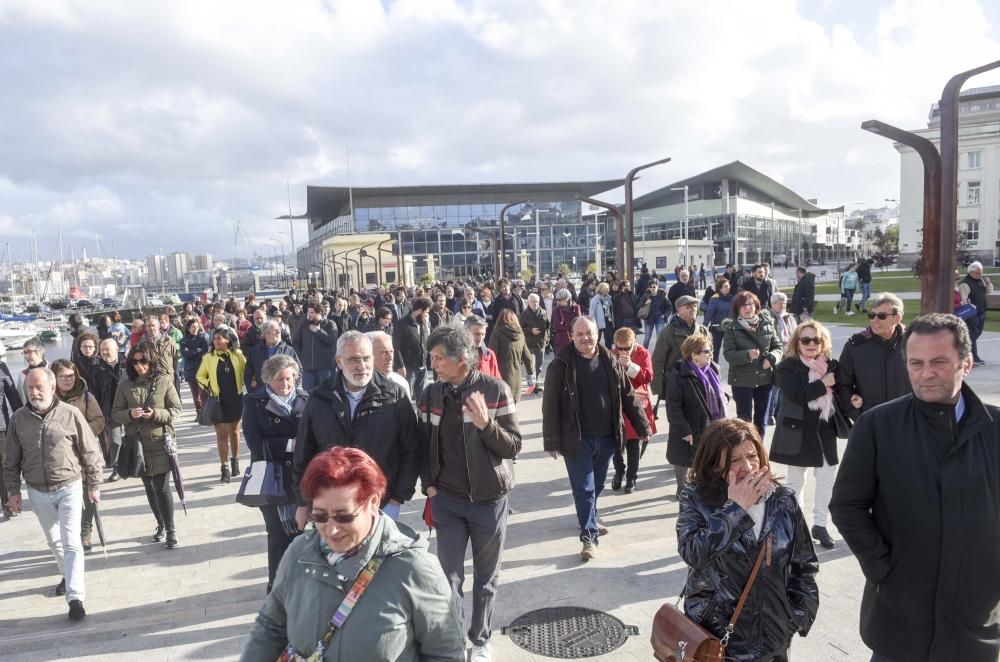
677 638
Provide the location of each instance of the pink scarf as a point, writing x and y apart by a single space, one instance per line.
824 403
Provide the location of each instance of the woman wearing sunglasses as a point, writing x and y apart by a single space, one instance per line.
806 434
147 405
401 606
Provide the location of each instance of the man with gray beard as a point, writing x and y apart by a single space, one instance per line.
361 408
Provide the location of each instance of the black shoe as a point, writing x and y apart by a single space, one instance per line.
171 540
629 486
76 610
85 542
538 390
113 477
225 474
819 533
234 465
61 588
158 536
616 482
771 421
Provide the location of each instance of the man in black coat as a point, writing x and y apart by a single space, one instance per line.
803 301
872 368
917 500
360 408
410 340
759 284
10 401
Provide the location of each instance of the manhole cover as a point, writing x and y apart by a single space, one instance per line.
568 632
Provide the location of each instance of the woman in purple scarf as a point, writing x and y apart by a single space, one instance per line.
694 399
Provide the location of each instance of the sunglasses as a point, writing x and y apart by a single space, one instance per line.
881 316
623 349
704 351
809 340
139 361
323 518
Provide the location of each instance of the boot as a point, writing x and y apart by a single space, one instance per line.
85 542
225 474
158 535
825 540
630 486
235 465
171 539
616 482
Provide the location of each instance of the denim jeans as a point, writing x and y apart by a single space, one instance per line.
772 407
417 379
866 293
313 378
59 513
588 470
649 332
391 510
752 404
976 325
458 522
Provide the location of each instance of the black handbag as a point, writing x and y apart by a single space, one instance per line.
790 431
266 483
131 460
211 411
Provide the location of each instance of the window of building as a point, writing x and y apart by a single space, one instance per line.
971 234
974 160
972 191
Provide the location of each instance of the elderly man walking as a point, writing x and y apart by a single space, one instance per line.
51 446
916 500
468 435
587 394
387 361
973 289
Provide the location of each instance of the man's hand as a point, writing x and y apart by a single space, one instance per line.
554 454
14 503
689 438
432 492
301 517
857 401
766 364
475 405
753 354
95 496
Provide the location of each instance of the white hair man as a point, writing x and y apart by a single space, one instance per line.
387 361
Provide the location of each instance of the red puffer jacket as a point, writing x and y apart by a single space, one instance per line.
640 373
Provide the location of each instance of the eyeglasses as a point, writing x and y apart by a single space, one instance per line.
323 518
704 351
139 361
29 351
809 340
881 316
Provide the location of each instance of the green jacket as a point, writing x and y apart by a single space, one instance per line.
407 612
667 350
736 345
166 406
511 351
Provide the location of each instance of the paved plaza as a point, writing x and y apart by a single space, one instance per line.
198 602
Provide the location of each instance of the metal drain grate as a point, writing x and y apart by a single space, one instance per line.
568 632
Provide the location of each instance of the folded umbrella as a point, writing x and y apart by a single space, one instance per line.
428 515
99 524
170 446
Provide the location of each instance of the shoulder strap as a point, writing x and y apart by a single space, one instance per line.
358 589
765 549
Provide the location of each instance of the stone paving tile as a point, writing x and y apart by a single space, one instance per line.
199 601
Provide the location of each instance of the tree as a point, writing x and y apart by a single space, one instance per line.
887 244
592 268
526 275
426 279
563 269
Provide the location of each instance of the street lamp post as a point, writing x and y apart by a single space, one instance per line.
623 269
503 247
644 219
626 260
686 219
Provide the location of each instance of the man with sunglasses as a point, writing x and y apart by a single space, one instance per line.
872 367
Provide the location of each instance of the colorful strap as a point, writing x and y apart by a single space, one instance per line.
358 589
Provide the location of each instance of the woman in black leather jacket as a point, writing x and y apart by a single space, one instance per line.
730 508
270 423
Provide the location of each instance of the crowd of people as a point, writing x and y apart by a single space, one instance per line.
361 398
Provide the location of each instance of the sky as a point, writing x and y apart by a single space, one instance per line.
156 126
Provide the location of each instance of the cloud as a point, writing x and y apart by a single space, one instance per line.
161 124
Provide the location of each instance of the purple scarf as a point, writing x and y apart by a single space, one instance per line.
713 389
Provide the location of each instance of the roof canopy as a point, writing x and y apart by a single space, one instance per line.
738 171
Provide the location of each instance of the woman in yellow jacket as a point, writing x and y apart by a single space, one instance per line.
221 375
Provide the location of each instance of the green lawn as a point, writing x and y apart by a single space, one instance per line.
889 281
824 314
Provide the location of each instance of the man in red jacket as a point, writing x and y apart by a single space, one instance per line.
488 364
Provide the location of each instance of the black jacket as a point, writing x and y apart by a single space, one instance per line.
917 499
193 348
687 411
410 341
763 290
267 428
561 404
10 399
316 349
819 437
804 296
873 368
384 426
717 543
678 290
257 356
106 379
488 452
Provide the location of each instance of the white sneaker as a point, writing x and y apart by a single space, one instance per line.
850 313
480 653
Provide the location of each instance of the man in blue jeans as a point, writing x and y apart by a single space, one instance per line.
586 394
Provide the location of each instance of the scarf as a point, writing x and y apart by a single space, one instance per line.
824 403
285 403
749 324
713 388
333 558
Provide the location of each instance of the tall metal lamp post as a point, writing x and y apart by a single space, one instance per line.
624 271
626 260
503 244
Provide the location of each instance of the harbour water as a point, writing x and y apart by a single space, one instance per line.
55 349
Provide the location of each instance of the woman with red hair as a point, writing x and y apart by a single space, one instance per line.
357 585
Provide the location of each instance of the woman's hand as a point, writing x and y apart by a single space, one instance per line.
829 379
748 491
689 439
857 401
753 354
136 412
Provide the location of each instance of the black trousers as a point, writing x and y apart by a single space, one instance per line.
161 502
277 541
628 465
